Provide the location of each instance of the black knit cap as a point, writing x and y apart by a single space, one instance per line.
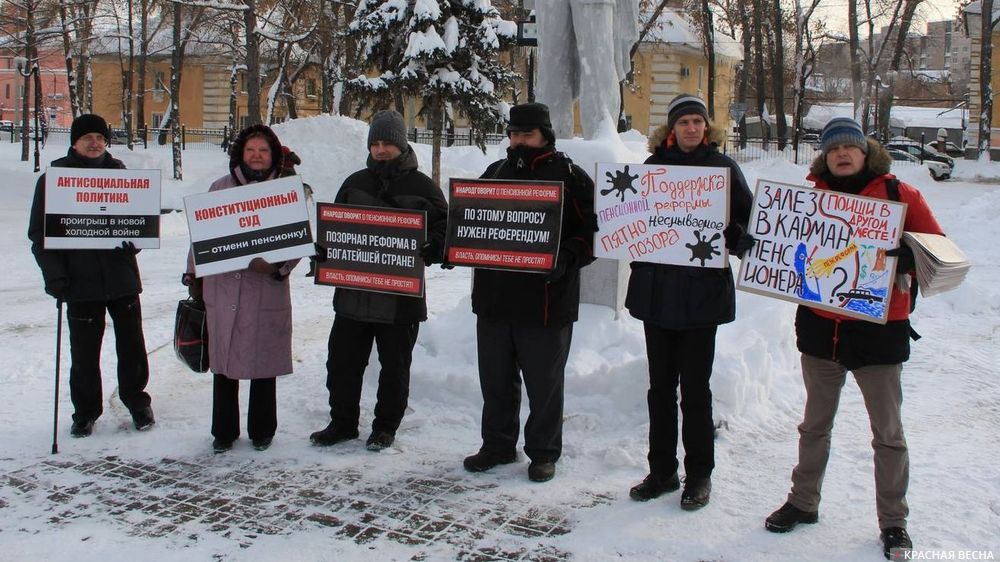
236 149
86 124
685 104
388 126
527 117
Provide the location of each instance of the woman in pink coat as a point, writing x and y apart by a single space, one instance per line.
249 312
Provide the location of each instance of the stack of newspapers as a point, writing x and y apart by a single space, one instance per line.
941 266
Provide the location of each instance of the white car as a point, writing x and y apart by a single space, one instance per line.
939 170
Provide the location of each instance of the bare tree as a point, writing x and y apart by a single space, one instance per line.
778 77
986 78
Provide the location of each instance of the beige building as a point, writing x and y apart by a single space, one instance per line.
973 14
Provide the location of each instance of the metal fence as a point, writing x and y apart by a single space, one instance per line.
454 138
191 139
749 149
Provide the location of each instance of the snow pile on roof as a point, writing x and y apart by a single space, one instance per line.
673 28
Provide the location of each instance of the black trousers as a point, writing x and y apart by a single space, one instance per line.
86 334
349 348
262 416
685 357
506 353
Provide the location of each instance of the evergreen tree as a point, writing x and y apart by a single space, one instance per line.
444 52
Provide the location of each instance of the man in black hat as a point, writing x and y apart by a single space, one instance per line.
525 320
681 308
94 283
390 179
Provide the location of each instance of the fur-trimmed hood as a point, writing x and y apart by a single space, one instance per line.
878 161
660 134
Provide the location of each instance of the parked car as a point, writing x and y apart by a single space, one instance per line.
939 170
923 152
6 126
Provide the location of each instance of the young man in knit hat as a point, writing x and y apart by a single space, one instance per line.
681 308
390 179
832 344
524 322
94 283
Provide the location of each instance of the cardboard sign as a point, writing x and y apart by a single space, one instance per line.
823 248
504 224
96 208
230 227
662 214
371 248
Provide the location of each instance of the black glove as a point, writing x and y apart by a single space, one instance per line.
58 288
277 275
431 252
193 284
905 262
738 240
128 248
565 261
320 256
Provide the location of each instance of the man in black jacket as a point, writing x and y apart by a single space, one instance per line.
681 307
391 179
525 320
93 283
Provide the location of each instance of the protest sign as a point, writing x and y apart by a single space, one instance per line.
232 226
97 208
371 248
504 224
662 214
824 249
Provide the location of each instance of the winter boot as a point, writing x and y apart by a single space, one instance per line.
379 439
331 435
541 471
787 517
895 543
696 493
82 428
220 445
654 486
261 444
143 418
485 460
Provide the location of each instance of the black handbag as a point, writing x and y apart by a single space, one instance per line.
191 334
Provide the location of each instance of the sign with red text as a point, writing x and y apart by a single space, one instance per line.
504 224
662 214
230 227
97 208
371 248
822 248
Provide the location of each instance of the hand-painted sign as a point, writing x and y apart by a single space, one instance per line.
824 249
662 214
230 227
100 208
504 224
371 248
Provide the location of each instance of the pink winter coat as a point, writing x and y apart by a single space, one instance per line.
249 316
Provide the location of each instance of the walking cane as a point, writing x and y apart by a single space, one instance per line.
55 406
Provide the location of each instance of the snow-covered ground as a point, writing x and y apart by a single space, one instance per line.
122 493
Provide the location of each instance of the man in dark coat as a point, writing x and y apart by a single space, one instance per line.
94 283
390 179
681 308
525 320
832 344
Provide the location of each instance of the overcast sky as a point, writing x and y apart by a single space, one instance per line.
930 10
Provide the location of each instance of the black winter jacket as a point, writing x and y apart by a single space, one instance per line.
93 275
394 184
529 299
677 297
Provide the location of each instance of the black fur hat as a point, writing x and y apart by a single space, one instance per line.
236 149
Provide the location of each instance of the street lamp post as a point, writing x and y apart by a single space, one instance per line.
21 63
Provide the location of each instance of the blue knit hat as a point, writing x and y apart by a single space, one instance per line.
843 130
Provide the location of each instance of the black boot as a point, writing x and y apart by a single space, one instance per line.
142 418
895 539
379 440
696 493
787 517
332 434
541 471
654 486
485 460
82 428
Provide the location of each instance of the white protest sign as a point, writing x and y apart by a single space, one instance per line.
662 214
98 208
232 226
822 248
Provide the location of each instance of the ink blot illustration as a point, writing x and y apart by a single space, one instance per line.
620 182
703 249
